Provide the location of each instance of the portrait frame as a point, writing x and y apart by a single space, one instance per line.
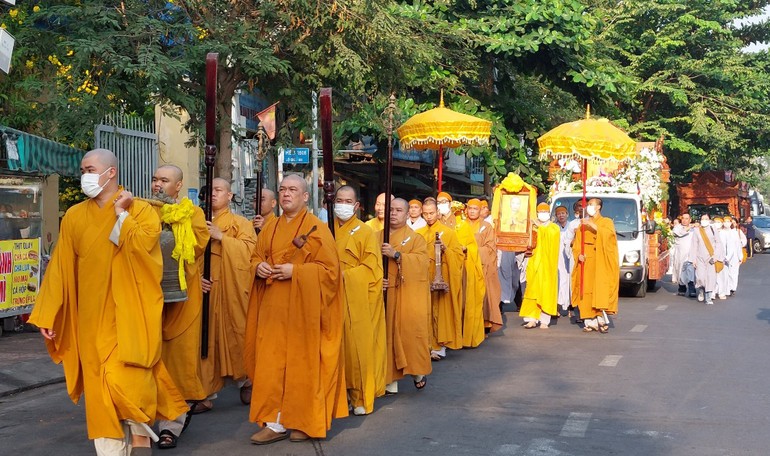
513 222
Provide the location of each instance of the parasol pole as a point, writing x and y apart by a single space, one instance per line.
440 166
212 59
328 154
388 188
583 172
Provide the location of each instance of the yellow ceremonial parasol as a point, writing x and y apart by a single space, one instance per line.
441 128
587 139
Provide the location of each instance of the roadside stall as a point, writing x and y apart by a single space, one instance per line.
29 216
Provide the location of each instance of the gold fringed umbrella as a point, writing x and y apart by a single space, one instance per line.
441 128
587 139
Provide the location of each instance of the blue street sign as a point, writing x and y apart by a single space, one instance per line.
296 155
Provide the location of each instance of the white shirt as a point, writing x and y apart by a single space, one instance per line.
419 223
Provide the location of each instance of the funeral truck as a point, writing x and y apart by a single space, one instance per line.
643 259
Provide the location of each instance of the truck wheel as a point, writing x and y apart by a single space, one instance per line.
639 290
651 284
757 246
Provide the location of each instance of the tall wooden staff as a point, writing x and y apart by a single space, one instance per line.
388 186
328 153
212 60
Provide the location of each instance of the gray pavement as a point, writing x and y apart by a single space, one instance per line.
673 377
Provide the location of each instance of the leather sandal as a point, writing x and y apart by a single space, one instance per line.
199 407
267 436
420 384
166 440
246 394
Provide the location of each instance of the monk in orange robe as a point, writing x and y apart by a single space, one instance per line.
364 336
233 240
602 272
100 309
266 210
295 324
474 288
447 306
409 307
182 319
444 206
487 245
378 222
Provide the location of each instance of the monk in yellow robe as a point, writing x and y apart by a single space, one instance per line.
487 245
542 292
447 306
233 241
100 311
364 335
378 222
295 324
444 206
266 210
474 287
182 318
409 307
598 296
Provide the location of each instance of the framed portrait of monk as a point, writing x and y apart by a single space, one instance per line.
514 221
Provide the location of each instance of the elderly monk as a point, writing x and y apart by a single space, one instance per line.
364 336
682 261
596 294
409 307
232 245
566 260
295 324
447 306
444 205
378 222
474 287
541 295
266 209
415 220
100 311
485 213
182 319
707 253
487 245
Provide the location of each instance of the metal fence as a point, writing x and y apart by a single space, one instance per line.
135 143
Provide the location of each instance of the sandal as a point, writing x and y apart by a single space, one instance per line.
604 329
588 329
199 407
166 440
531 324
421 384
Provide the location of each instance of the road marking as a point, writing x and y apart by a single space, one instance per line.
610 360
663 307
576 425
638 328
508 449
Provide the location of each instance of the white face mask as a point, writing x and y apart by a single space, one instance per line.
591 210
89 183
705 222
443 208
344 211
728 225
717 225
544 216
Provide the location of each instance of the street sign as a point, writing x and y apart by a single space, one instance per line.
297 155
6 50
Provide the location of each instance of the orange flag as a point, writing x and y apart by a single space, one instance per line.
267 120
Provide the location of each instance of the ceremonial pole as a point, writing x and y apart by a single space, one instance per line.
328 154
388 184
212 59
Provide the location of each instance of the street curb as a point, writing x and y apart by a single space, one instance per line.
24 388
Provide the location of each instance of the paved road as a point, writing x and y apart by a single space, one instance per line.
673 377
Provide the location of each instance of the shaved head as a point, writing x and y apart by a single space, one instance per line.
268 202
348 191
175 171
103 156
399 211
167 180
224 183
400 201
296 178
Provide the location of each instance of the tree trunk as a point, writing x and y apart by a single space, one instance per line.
224 164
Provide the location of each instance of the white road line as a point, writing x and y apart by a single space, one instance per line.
663 307
610 360
576 425
638 328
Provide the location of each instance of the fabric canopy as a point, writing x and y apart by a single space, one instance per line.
592 139
34 154
442 127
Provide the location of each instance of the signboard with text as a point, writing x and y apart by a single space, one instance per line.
19 274
297 155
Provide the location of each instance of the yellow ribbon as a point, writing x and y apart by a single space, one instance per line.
179 217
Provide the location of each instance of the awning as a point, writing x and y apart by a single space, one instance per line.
33 154
462 178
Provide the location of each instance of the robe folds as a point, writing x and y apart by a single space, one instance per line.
182 321
105 304
602 271
542 292
447 306
364 335
487 243
294 331
408 312
232 274
474 287
705 272
375 224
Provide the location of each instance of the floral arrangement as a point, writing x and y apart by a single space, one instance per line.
643 176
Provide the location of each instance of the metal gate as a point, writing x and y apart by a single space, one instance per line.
135 144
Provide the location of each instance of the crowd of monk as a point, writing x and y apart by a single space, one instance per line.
306 324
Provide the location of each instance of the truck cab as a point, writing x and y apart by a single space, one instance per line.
625 210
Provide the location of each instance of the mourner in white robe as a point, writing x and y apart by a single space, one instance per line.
704 261
733 245
682 262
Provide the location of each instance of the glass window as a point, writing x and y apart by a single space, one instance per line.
20 208
624 212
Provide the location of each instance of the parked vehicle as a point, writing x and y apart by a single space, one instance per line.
761 239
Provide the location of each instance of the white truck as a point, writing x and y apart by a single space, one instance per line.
638 271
